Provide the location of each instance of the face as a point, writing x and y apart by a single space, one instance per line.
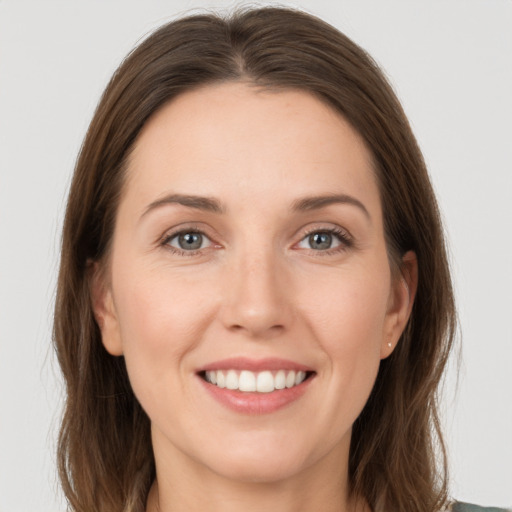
249 287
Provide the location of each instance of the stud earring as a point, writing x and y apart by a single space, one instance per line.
389 344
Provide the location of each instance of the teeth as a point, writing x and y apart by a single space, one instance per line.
261 382
280 380
290 380
232 380
221 380
299 377
247 381
265 382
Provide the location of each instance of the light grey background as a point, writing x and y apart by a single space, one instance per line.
451 64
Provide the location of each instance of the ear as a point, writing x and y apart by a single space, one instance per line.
401 300
104 309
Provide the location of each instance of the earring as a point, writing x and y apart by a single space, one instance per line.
389 344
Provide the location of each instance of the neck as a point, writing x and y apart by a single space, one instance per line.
184 485
251 498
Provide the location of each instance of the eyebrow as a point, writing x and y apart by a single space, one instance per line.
317 202
208 204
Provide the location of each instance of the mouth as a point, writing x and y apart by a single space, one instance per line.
255 386
247 381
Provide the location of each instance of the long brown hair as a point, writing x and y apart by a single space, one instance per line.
105 455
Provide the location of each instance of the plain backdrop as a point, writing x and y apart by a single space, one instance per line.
451 65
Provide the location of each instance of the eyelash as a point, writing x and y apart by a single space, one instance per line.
345 239
164 242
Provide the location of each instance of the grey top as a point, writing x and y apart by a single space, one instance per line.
466 507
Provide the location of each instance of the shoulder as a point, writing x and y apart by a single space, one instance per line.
466 507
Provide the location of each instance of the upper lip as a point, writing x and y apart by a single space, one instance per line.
254 365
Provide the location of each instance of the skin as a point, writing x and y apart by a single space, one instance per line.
257 288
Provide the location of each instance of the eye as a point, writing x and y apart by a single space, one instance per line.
188 241
325 239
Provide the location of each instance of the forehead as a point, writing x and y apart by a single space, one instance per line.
245 142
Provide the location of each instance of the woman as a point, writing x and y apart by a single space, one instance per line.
254 305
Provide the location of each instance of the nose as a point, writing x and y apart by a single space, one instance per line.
257 297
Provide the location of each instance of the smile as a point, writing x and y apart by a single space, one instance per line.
260 386
260 382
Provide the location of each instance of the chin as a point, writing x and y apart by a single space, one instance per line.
258 471
254 461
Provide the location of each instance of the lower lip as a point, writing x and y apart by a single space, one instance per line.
256 403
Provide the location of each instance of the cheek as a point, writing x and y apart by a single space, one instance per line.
349 309
161 321
347 316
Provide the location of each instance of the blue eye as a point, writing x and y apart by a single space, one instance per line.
320 241
188 241
323 240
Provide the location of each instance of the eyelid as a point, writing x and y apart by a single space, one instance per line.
184 228
204 238
345 238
